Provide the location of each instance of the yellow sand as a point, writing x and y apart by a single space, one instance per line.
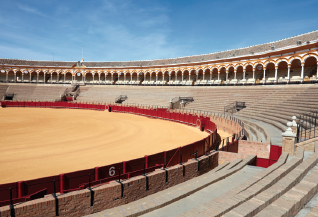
39 142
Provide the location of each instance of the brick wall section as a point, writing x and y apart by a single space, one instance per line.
106 196
254 148
308 144
230 157
226 125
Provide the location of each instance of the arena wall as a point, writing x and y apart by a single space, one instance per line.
87 201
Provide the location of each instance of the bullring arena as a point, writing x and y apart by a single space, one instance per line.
231 133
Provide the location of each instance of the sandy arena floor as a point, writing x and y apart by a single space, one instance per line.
39 142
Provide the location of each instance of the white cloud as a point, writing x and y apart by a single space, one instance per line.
31 10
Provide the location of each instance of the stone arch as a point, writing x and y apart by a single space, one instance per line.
291 59
268 62
281 60
305 57
102 77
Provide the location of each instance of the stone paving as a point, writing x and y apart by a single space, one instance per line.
274 133
175 193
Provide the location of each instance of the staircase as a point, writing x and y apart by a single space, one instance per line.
234 107
121 99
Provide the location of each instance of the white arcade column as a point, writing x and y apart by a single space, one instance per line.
276 68
254 75
288 74
302 72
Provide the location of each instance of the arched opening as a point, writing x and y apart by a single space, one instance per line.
54 77
207 77
146 79
282 71
295 70
172 77
230 77
186 75
179 78
199 77
26 76
18 76
249 74
192 77
214 75
239 74
120 78
270 73
140 78
108 78
310 70
3 75
11 76
152 78
78 77
59 77
259 73
222 75
33 77
68 77
88 78
159 78
102 78
115 78
133 78
128 76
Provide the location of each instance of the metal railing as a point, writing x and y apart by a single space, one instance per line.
307 126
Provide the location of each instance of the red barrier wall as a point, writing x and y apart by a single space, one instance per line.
80 179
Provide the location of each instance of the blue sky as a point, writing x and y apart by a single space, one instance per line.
123 30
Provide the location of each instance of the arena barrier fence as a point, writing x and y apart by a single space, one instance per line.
21 191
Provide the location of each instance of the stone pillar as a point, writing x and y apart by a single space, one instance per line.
163 79
189 76
125 78
99 78
15 77
111 77
7 74
276 68
156 78
175 76
289 140
58 78
64 77
51 78
37 77
235 75
203 75
302 72
182 77
44 77
264 75
93 78
218 76
254 75
244 70
227 75
22 77
197 76
169 79
288 74
30 77
294 127
210 75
